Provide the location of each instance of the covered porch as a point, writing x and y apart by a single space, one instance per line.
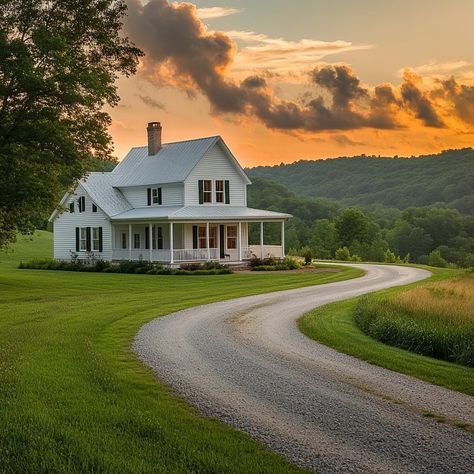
174 242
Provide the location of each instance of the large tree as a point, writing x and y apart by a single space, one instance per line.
59 61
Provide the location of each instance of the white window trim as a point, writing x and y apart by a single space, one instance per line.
209 193
221 193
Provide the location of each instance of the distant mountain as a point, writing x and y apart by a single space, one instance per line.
445 178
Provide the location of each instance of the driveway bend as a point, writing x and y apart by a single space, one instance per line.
244 362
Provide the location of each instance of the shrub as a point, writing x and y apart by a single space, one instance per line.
390 257
436 260
343 253
308 257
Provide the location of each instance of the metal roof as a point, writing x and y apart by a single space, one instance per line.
99 187
171 164
193 213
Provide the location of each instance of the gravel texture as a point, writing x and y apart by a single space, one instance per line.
244 362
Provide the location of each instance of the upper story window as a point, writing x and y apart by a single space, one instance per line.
71 206
154 196
81 202
219 190
94 208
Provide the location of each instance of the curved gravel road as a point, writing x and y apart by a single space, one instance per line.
244 362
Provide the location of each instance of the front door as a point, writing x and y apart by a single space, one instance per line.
222 241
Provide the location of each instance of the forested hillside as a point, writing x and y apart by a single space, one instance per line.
431 234
447 177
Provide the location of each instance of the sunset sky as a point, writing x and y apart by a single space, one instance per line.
282 81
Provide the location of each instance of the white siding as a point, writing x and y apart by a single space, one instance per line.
215 165
171 194
65 228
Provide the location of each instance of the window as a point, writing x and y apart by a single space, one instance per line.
159 236
202 237
94 208
219 190
212 237
154 196
96 239
207 190
124 240
71 206
136 241
83 239
81 202
231 237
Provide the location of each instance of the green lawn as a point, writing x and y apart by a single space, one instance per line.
74 398
334 325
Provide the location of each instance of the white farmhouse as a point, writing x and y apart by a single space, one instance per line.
172 202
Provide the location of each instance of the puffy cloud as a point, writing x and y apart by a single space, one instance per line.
181 51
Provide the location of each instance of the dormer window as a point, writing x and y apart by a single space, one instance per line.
81 202
154 196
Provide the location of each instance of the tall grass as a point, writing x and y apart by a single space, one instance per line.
436 320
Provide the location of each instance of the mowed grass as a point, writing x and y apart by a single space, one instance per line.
436 320
334 325
73 396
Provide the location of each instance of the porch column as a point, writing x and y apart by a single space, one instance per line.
283 239
130 241
261 240
207 241
150 230
240 241
171 243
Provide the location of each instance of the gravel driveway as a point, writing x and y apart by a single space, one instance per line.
244 362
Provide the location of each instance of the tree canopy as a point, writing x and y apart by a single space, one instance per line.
59 61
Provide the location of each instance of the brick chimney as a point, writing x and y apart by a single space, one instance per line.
154 138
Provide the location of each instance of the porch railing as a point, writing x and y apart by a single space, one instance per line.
184 255
268 251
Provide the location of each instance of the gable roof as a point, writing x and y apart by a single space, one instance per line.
172 164
98 185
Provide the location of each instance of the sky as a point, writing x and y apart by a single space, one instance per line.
282 81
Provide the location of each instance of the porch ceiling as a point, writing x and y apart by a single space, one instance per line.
193 213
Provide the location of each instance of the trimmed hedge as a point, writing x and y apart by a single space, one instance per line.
385 320
140 267
273 264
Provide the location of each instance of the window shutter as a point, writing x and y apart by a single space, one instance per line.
195 236
227 192
159 196
88 237
147 238
100 239
77 239
201 192
148 196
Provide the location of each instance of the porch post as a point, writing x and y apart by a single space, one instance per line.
240 241
171 244
261 239
130 241
207 241
283 239
150 241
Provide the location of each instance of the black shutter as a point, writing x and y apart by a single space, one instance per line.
88 237
159 196
227 192
147 237
77 239
100 239
195 236
148 196
201 192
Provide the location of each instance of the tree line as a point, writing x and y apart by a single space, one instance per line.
435 235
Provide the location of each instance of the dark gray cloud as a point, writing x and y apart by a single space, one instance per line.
179 50
146 99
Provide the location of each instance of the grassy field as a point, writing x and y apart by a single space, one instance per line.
334 325
436 320
74 398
